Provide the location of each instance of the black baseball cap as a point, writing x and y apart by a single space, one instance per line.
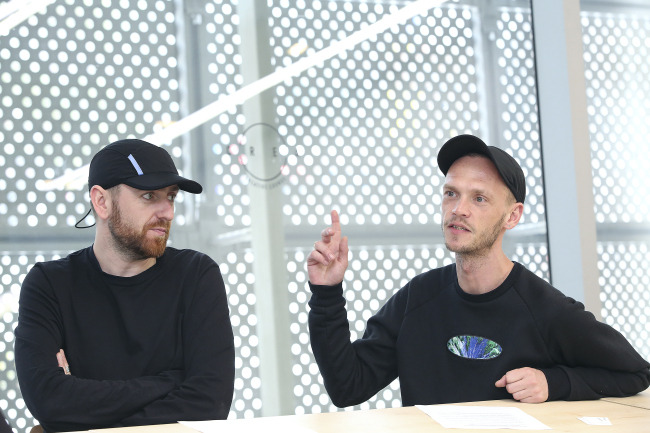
138 164
506 165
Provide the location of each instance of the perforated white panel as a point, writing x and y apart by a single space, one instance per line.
71 81
369 122
617 67
517 103
617 73
624 282
13 268
238 276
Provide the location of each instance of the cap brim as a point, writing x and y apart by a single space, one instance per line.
154 181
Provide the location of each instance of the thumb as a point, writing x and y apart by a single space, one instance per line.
501 382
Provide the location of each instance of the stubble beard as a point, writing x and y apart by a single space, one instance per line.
133 244
478 247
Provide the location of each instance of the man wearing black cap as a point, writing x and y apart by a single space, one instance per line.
483 328
127 331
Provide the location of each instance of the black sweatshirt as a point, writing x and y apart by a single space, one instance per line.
448 346
149 349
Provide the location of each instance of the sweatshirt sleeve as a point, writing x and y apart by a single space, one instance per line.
353 371
61 402
593 360
206 391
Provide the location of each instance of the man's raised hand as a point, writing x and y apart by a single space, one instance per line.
328 261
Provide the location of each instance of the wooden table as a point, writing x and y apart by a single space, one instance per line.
641 400
627 415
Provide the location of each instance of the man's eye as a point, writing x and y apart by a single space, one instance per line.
480 199
147 196
449 193
171 197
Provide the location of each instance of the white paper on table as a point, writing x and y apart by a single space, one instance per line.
595 420
482 417
223 426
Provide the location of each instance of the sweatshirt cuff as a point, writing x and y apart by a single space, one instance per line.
326 293
559 387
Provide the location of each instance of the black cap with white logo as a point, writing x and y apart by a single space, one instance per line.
138 164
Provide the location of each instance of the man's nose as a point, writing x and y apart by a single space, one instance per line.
461 208
166 210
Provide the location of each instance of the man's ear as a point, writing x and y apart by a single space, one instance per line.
101 201
516 212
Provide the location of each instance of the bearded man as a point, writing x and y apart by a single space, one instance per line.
127 331
483 328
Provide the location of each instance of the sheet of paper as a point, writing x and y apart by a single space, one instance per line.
482 417
595 420
221 426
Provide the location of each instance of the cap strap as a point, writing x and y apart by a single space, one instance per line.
78 226
135 165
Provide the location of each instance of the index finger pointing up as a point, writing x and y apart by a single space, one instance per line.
335 218
336 224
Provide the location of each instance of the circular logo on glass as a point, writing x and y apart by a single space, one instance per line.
267 160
